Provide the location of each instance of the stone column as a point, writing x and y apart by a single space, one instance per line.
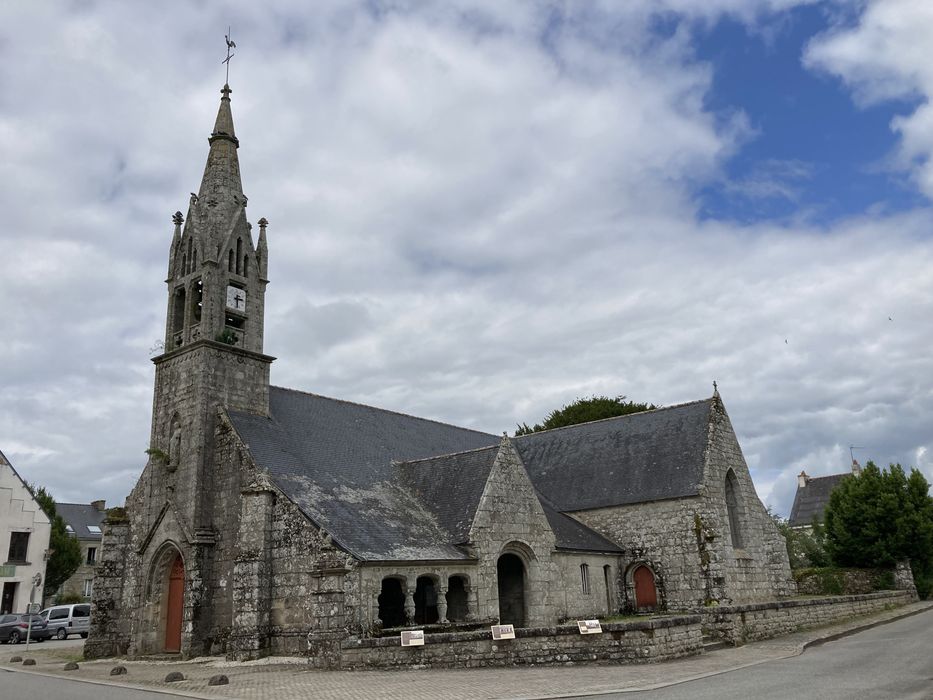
442 603
410 605
470 602
377 621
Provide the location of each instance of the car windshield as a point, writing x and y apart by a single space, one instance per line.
35 618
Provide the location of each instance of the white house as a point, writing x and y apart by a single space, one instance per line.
24 542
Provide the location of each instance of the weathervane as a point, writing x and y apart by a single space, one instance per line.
230 45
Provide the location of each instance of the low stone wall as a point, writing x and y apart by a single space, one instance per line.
641 641
738 624
827 581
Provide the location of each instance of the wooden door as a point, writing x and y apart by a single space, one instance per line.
175 606
646 595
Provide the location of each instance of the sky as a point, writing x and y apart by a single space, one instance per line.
481 211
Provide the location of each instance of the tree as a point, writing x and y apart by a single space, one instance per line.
65 557
584 411
805 548
881 517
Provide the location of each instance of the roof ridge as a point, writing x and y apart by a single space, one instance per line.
605 420
448 454
384 410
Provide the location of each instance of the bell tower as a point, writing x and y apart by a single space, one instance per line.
213 357
216 276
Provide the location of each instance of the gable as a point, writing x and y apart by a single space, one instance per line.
649 456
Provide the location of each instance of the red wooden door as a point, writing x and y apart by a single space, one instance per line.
646 595
175 607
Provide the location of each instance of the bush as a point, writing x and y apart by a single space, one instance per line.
66 598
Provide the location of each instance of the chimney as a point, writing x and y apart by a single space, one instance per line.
856 467
802 480
100 505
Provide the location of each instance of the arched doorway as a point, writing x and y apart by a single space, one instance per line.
425 601
511 575
646 594
457 606
175 605
392 603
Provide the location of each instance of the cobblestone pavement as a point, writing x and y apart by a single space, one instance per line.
290 678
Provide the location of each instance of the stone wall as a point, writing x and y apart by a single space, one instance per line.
688 544
509 519
601 599
644 641
752 566
738 624
110 627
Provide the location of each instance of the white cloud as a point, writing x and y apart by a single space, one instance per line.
884 56
478 213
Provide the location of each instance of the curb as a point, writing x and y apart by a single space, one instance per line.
790 654
862 628
127 686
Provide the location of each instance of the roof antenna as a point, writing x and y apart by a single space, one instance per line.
230 45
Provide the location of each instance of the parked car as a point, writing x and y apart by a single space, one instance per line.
68 619
13 629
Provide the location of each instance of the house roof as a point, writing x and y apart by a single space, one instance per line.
811 500
648 456
80 517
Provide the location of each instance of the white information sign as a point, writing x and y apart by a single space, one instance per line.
503 632
589 627
413 638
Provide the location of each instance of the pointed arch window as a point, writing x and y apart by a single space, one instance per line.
239 246
230 261
732 506
245 265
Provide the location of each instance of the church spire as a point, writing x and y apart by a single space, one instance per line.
221 188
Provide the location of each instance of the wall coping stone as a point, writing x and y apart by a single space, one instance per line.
654 623
803 602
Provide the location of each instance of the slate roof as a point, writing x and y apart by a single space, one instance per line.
79 516
641 457
334 459
391 487
452 485
811 500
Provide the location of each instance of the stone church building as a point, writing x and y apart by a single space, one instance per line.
275 521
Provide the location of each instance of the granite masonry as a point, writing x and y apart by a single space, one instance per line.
274 521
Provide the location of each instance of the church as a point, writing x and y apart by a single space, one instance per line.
275 521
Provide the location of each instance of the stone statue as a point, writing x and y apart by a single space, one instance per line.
174 450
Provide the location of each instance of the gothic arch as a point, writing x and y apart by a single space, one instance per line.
641 583
165 599
734 510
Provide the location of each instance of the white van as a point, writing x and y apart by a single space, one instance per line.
68 619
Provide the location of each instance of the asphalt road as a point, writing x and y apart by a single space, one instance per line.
25 685
893 661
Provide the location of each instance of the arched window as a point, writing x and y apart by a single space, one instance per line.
230 261
194 259
188 268
732 505
239 245
585 577
245 265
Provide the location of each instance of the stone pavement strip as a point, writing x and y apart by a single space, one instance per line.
291 678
